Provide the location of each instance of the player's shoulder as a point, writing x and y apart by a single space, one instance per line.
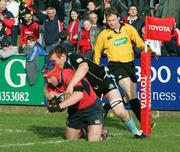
73 56
76 58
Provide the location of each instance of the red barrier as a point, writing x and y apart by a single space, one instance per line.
146 92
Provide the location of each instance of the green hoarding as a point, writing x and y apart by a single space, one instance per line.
14 86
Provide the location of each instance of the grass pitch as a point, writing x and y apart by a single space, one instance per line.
31 129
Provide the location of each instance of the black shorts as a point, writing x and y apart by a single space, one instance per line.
92 115
105 86
123 70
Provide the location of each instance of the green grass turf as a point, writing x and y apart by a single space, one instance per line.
31 129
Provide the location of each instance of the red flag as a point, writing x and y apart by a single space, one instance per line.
159 28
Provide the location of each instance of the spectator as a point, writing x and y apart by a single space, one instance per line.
3 36
135 21
32 50
7 18
93 16
144 7
52 27
172 47
64 42
169 8
95 28
74 27
28 28
27 2
85 45
59 7
92 6
13 7
7 49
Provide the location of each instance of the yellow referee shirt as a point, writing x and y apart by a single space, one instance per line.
118 45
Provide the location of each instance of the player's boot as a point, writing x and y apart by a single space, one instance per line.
140 135
104 134
83 132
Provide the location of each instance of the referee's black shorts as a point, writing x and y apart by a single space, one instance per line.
122 70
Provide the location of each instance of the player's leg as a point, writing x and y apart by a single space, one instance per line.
74 124
119 110
93 115
94 132
116 103
125 76
72 134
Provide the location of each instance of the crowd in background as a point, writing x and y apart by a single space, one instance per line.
75 24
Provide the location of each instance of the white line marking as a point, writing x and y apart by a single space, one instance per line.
33 143
111 136
13 130
26 130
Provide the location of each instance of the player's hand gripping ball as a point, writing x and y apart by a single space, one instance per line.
53 104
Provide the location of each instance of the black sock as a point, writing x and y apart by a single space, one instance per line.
136 107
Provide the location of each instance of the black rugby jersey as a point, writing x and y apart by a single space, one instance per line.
96 73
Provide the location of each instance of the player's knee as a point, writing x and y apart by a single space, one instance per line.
94 133
71 137
119 110
94 139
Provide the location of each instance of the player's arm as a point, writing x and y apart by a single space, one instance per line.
98 47
77 93
78 76
74 98
49 93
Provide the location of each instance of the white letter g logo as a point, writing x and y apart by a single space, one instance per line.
21 76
